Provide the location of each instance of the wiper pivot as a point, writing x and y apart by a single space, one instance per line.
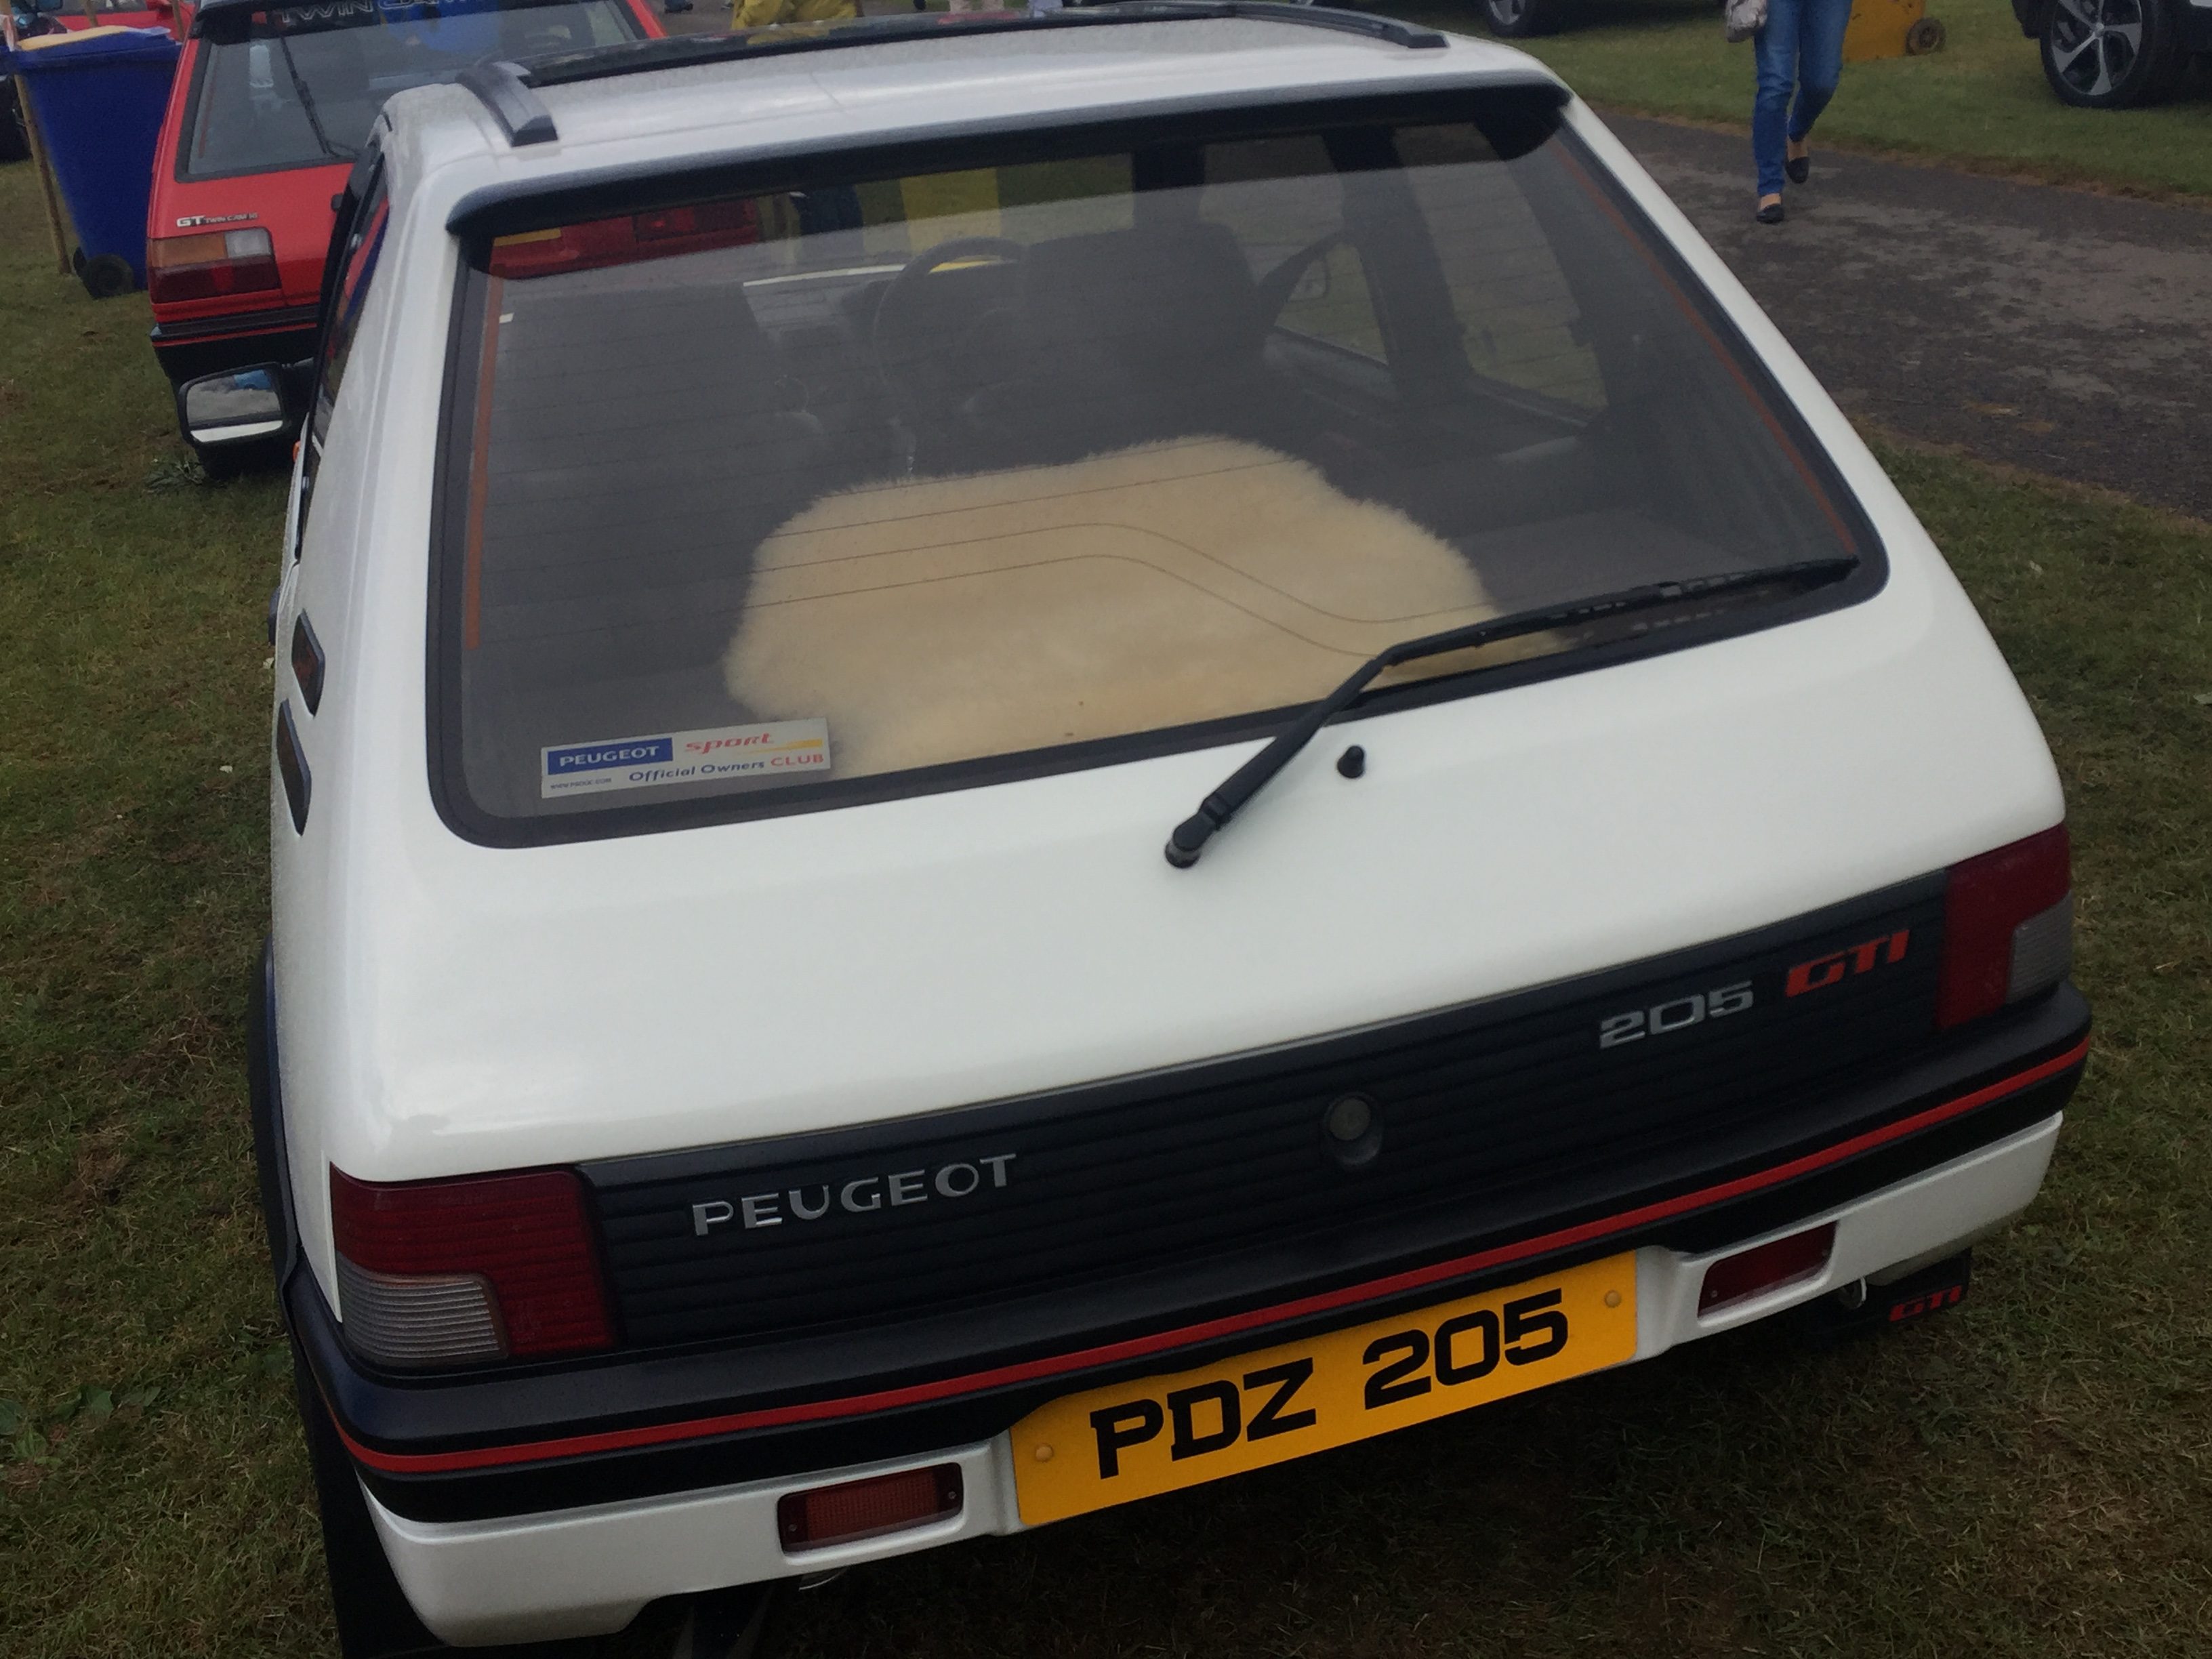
1214 812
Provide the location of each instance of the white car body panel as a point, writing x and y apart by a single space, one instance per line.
835 968
446 1008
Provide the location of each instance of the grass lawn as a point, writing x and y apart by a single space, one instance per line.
2028 1476
1982 100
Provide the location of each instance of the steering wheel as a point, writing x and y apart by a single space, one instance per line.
895 336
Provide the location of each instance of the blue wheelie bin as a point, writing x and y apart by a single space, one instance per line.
99 97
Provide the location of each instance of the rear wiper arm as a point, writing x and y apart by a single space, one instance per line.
1214 812
335 152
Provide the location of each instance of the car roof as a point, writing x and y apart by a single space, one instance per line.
512 131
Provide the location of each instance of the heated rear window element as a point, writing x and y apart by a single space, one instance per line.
300 85
781 496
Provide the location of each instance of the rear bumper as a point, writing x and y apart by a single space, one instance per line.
590 1569
209 345
664 1422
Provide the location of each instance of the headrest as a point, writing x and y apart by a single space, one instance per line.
1167 301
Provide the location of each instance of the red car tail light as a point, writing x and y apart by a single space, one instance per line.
868 1509
210 266
443 1273
1765 1267
2008 926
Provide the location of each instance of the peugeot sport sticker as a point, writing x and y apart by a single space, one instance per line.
779 749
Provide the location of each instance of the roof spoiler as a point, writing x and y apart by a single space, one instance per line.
507 89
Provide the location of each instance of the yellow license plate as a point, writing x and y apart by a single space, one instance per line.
1135 1439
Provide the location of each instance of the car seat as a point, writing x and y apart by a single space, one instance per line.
1130 336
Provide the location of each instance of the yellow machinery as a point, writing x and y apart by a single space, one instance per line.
1890 28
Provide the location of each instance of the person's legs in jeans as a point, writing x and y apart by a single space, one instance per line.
1819 61
1776 48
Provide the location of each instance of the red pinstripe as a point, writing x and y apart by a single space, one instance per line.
658 1434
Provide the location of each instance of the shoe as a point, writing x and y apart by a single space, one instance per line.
1770 213
1799 170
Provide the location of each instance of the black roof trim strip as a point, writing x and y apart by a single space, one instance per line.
506 92
777 40
532 203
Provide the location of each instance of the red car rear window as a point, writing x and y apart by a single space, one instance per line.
300 85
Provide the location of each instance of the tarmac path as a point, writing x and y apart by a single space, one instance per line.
2055 330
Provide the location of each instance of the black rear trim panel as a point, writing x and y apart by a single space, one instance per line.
489 1411
1508 1108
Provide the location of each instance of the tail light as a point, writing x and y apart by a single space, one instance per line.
2008 926
210 267
868 1509
451 1273
1765 1267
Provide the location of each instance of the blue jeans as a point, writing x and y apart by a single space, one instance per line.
1802 46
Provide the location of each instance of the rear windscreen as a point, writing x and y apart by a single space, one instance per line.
938 477
300 85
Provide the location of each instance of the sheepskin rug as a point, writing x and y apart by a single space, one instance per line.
951 617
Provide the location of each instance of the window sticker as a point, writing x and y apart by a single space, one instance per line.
781 748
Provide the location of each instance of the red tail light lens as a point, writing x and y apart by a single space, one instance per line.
2008 926
868 1509
441 1273
210 266
1755 1272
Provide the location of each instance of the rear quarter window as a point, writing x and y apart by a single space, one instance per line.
363 257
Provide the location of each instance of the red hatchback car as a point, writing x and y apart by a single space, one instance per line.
272 100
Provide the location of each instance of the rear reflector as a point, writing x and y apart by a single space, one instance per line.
1755 1272
445 1273
2008 926
868 1509
209 266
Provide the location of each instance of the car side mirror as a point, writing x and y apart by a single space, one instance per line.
238 406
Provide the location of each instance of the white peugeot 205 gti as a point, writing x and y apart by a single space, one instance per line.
1023 759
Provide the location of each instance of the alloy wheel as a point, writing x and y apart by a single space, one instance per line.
2095 43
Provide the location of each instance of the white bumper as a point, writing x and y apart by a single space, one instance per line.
585 1571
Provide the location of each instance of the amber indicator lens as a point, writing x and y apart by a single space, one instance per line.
1753 1272
868 1509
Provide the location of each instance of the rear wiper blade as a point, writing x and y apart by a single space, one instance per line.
333 152
1214 812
